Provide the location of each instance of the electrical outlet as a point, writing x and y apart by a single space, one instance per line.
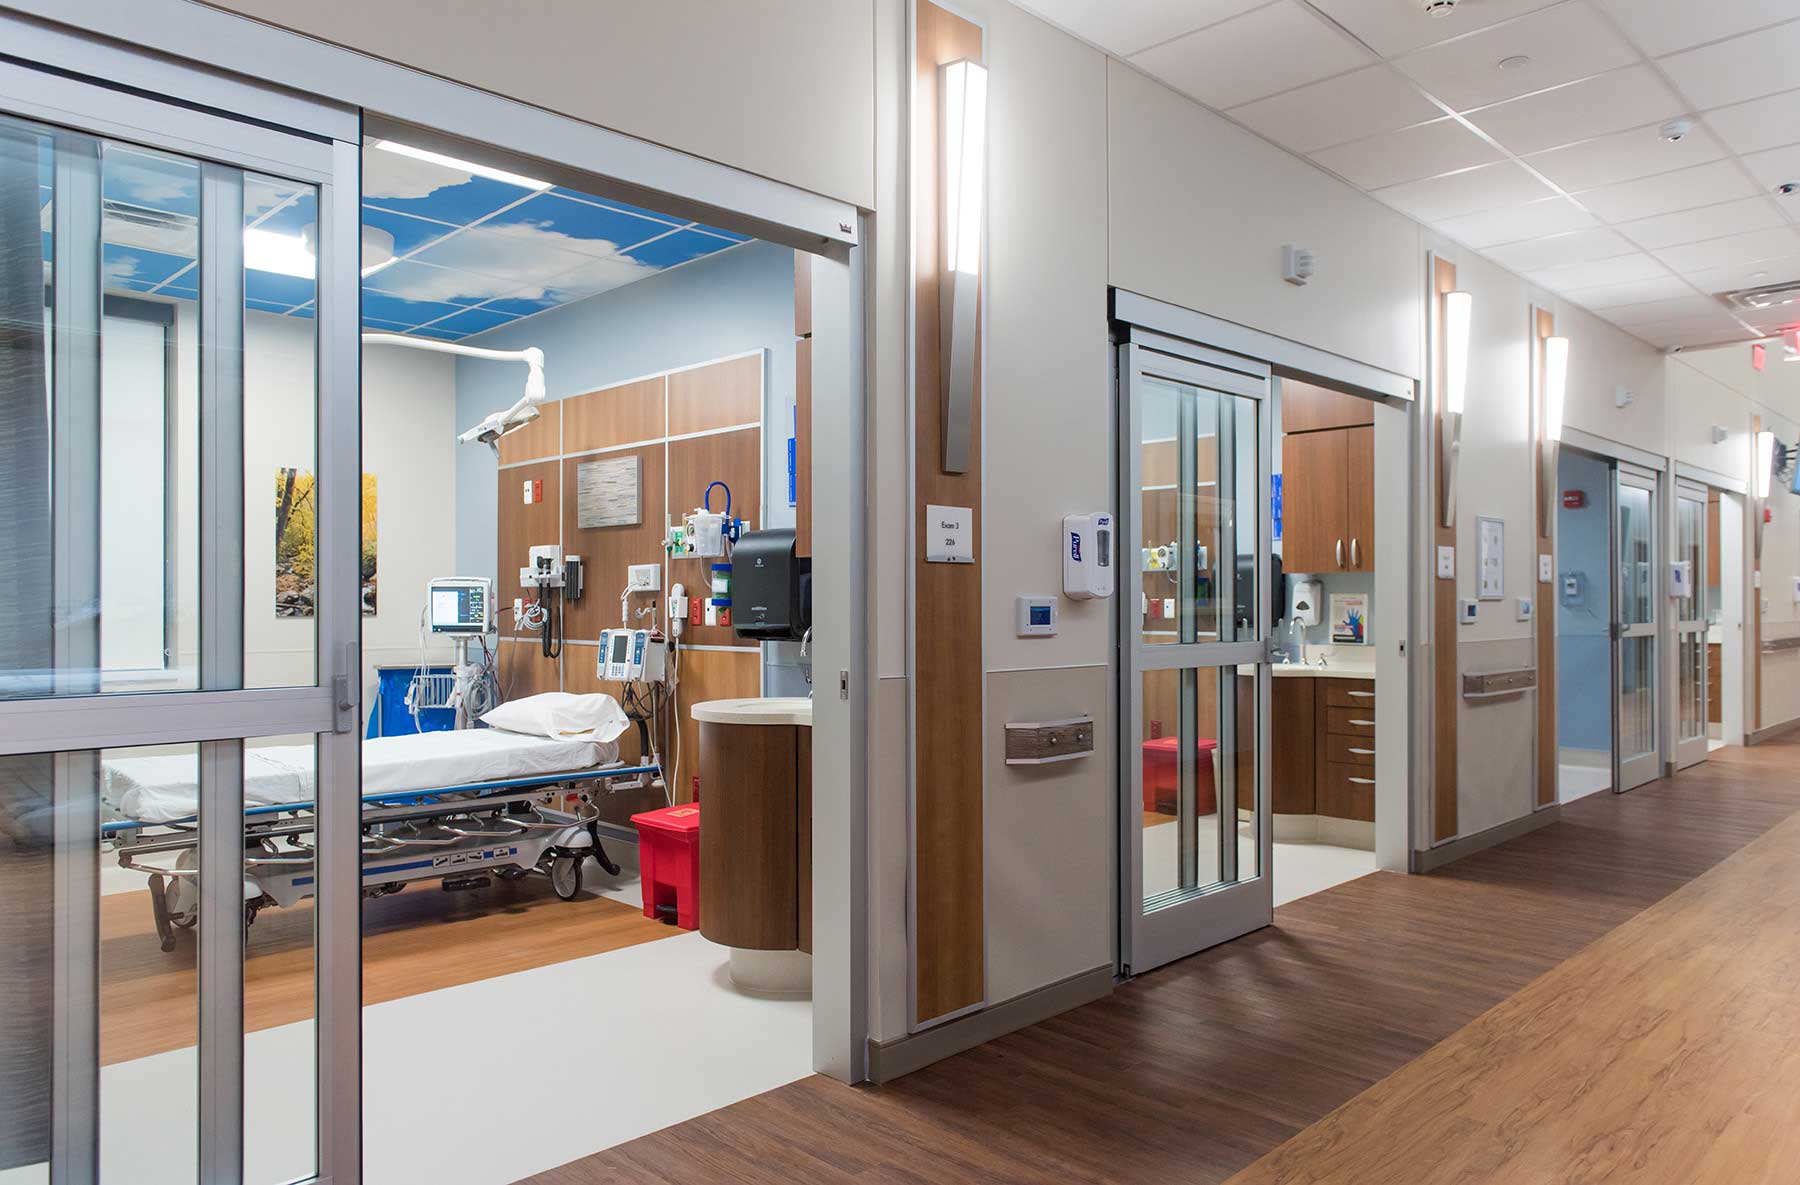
644 577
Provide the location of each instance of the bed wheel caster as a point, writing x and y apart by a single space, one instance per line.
565 877
168 944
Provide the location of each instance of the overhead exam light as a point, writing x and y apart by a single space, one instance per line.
451 162
1556 388
962 169
1458 309
500 423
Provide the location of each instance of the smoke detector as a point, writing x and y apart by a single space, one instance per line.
1676 130
1439 7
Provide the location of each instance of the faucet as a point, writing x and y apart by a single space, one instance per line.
1321 662
805 660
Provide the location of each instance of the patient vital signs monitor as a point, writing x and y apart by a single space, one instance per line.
461 605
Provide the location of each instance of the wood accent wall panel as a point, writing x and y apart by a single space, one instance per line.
523 669
1756 598
803 297
708 675
1443 613
520 527
1306 408
749 844
717 395
539 439
626 414
949 925
606 552
1548 742
803 395
734 458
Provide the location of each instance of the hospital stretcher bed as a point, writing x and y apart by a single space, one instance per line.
454 806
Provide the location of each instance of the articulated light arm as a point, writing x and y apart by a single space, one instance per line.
490 430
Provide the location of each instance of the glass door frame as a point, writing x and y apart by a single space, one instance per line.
85 106
1208 914
1633 771
1686 628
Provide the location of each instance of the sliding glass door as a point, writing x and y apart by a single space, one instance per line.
143 664
1195 834
1691 611
1635 622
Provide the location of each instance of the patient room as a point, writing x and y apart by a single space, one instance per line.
585 584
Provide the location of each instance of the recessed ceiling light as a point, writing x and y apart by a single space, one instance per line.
451 162
1517 62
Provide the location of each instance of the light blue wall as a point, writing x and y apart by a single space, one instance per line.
739 300
1584 647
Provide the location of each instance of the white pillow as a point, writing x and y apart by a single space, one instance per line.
562 716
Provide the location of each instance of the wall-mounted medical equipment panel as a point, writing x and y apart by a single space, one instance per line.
632 656
771 586
461 605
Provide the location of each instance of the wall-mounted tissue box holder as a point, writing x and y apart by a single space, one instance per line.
1049 741
1493 684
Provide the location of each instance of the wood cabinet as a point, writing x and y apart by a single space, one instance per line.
1328 500
1322 747
756 835
1292 766
1306 408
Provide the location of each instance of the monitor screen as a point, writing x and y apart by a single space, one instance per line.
621 648
459 608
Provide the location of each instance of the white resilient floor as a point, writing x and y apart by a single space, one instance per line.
1301 869
488 1082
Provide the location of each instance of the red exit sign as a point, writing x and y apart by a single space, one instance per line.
1574 499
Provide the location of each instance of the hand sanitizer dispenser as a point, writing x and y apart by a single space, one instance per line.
1304 597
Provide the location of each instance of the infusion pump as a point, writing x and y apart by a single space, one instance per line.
631 656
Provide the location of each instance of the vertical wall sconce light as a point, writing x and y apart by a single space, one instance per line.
1458 308
962 169
1556 386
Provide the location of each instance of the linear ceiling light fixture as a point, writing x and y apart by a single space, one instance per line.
962 171
451 162
1556 388
1459 308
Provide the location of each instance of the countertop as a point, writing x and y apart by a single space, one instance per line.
761 710
1288 670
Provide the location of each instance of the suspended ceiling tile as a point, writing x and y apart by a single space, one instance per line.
596 276
410 233
398 310
1664 26
1531 221
120 265
1578 246
1672 309
1777 167
1754 274
430 190
1625 156
1411 154
1560 44
266 306
531 300
473 321
1485 188
1250 56
1350 107
1581 110
413 280
1620 269
1123 27
146 179
1684 189
579 226
1393 27
1768 122
680 247
441 334
1745 67
1607 296
1707 222
508 255
1732 250
1702 330
273 288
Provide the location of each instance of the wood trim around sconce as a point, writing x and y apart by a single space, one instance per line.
1548 740
949 930
1445 693
1757 507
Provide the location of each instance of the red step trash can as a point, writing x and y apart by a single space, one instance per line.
669 862
1162 776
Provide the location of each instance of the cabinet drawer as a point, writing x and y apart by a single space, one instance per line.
1351 722
1350 750
1347 792
1349 693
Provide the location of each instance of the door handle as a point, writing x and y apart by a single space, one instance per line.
1355 553
1362 752
1362 781
1364 723
1340 553
1361 694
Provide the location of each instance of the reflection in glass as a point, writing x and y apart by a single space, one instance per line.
1637 697
1637 560
1182 781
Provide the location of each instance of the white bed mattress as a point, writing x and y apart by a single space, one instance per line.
161 788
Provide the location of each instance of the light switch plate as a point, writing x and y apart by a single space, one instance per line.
1036 616
1446 563
1546 569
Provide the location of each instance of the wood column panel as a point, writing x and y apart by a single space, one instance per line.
948 875
626 414
803 300
1756 612
717 395
1445 692
804 818
1306 408
1548 742
749 835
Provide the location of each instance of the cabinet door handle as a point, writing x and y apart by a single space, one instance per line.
1361 694
1362 781
1355 553
1362 752
1369 723
1340 553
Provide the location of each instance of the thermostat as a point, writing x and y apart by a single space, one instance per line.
1466 611
1037 616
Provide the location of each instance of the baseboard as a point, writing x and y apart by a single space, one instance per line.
889 1060
1772 731
1448 853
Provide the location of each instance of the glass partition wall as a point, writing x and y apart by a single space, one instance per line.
142 710
1638 754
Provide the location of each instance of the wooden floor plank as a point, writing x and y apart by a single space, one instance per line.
1193 1072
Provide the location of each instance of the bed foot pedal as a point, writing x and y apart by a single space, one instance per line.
462 884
